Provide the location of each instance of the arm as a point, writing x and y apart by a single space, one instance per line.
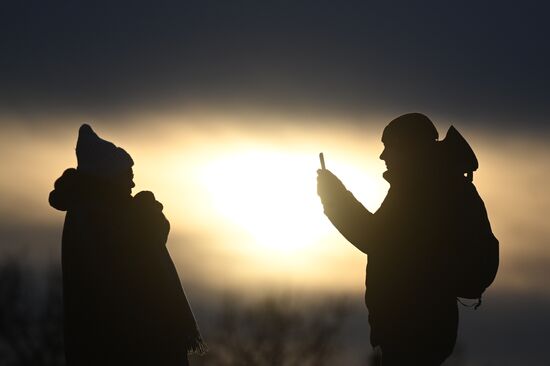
345 212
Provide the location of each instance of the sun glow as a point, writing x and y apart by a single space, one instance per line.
271 195
241 202
241 198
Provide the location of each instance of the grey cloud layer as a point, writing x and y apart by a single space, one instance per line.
469 59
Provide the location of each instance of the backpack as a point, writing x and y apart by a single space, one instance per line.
475 248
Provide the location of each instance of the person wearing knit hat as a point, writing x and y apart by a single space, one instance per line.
428 243
123 300
99 157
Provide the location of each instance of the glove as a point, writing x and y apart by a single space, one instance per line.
150 219
329 187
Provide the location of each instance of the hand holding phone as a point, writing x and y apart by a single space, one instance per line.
329 186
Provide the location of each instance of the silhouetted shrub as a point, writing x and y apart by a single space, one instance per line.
31 316
276 332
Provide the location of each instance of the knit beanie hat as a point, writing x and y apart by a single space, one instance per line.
100 158
410 128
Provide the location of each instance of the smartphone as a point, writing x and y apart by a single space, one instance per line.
322 160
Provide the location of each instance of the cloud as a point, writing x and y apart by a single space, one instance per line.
484 63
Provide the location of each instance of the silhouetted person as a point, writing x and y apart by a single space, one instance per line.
430 230
123 301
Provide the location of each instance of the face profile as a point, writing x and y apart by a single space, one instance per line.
409 144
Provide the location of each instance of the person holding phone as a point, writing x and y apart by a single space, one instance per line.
411 242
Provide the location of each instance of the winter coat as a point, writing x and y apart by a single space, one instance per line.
409 291
123 300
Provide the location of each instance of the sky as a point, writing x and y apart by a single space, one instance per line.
224 107
477 61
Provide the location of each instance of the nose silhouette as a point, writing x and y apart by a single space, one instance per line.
382 155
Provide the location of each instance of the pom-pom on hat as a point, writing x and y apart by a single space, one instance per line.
100 158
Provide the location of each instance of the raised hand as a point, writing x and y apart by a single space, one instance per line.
329 187
150 220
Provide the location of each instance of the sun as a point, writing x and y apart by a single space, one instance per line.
270 194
